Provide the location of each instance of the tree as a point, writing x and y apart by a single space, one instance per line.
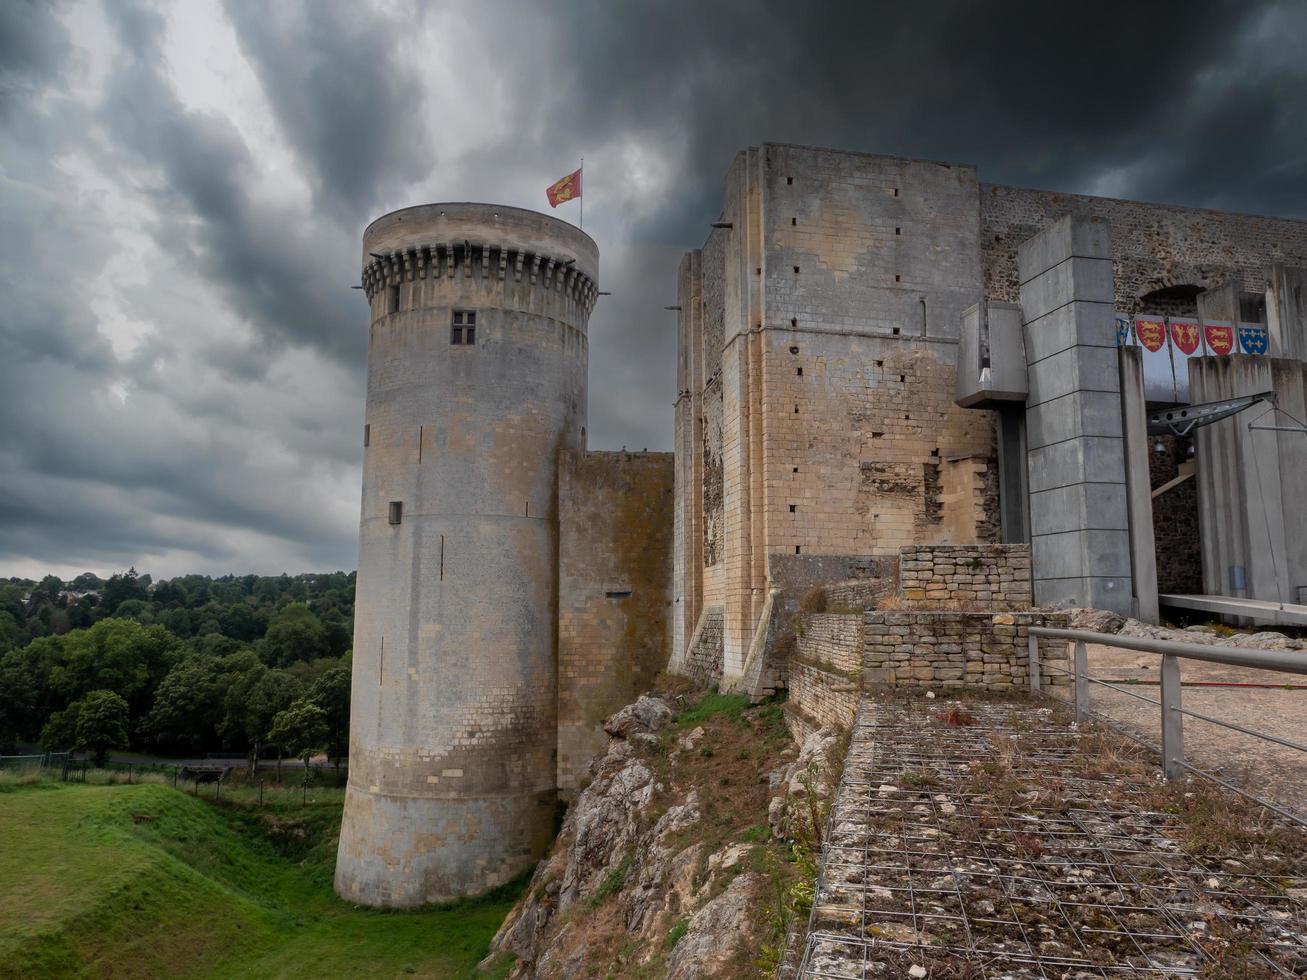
19 716
330 692
254 697
301 730
115 655
102 724
187 706
97 722
296 634
60 731
124 586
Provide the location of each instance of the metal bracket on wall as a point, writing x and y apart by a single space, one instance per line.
1182 421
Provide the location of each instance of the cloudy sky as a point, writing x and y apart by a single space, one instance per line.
183 187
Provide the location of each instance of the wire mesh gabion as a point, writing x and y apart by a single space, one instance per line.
989 849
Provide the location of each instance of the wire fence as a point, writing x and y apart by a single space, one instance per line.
220 778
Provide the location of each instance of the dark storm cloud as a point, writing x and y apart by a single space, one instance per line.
341 96
228 433
32 48
268 268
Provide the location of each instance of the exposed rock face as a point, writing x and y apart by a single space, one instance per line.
647 714
701 951
1098 620
658 862
805 784
1267 640
1102 621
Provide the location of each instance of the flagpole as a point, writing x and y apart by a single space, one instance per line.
582 195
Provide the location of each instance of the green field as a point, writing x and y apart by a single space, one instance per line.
145 881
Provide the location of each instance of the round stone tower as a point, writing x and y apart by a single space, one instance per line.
476 379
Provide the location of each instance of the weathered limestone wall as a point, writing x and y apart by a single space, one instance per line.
996 576
956 649
826 669
838 656
1154 246
453 728
614 592
821 413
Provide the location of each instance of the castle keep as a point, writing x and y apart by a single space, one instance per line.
876 353
476 392
893 380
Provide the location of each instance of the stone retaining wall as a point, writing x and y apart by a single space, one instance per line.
826 668
925 648
703 659
994 576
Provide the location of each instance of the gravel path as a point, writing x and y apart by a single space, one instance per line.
1258 766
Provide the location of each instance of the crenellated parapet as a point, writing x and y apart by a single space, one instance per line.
470 259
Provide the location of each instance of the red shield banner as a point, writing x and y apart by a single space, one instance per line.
1219 336
1151 333
1184 335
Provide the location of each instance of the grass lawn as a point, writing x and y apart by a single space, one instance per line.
145 881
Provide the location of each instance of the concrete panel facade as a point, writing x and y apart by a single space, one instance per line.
454 702
1250 481
1079 519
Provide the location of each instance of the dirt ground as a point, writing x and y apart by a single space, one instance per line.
1260 767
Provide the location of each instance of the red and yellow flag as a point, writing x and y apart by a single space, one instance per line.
564 190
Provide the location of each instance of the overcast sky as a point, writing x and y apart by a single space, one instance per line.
183 188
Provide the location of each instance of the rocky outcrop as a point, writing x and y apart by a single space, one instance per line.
658 867
1102 621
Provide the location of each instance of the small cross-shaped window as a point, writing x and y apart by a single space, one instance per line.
463 328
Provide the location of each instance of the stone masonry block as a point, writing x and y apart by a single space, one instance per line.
1084 324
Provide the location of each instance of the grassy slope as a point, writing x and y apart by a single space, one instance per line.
201 890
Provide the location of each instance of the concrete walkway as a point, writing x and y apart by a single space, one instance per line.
983 839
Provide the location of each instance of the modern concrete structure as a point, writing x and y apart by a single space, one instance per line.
476 382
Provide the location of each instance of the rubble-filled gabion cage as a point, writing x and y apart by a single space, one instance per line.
979 840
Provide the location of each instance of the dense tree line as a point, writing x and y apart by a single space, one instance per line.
183 666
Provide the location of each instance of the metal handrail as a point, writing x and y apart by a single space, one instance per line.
1172 711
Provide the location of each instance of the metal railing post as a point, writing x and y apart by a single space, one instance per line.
1033 646
1082 682
1172 719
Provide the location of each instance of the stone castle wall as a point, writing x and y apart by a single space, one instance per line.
928 648
989 576
614 593
837 657
703 658
1154 246
826 669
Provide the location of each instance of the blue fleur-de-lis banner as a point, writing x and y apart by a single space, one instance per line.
1122 331
1253 338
